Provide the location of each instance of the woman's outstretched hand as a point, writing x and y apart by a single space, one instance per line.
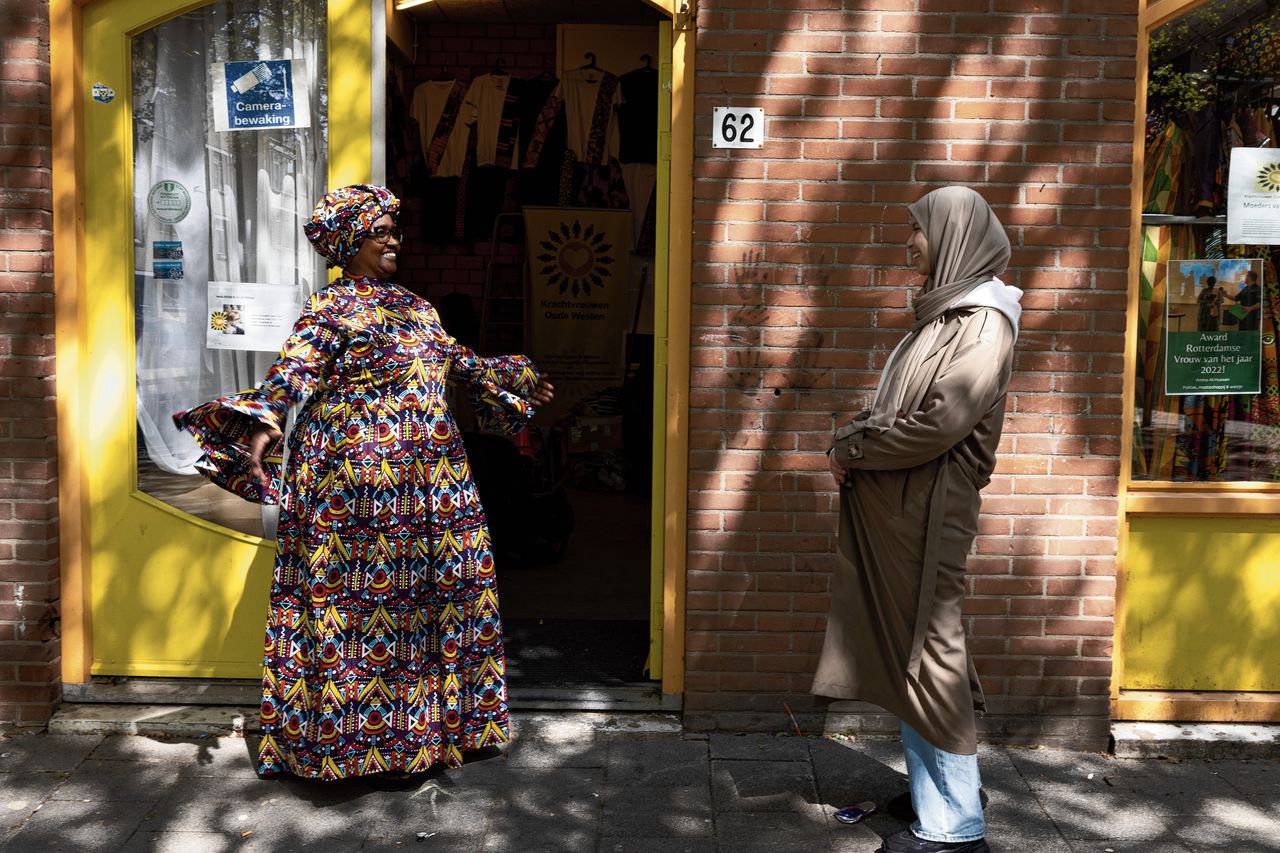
263 437
543 394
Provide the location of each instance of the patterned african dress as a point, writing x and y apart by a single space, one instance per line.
383 646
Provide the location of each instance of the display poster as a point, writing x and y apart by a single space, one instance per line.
248 316
1253 197
579 295
261 94
1213 321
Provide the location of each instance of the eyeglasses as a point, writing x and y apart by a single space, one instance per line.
383 234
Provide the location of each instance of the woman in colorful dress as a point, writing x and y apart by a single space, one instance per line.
910 470
383 650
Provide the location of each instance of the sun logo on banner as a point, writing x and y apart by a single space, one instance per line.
1268 180
218 321
576 259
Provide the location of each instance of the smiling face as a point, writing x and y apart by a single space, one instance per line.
918 247
377 259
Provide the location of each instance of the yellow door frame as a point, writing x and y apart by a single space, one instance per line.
351 159
1167 499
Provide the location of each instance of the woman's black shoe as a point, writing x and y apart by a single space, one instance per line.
907 841
902 808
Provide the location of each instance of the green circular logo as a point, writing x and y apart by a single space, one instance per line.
169 202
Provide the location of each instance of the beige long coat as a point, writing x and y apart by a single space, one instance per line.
907 522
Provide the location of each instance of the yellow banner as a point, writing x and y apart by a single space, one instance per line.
579 301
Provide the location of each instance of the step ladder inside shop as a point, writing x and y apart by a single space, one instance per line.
504 316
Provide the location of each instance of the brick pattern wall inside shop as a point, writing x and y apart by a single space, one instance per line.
463 52
800 290
29 658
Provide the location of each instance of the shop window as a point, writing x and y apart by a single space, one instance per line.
1207 405
222 185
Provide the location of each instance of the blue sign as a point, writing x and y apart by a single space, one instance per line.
261 94
167 250
172 270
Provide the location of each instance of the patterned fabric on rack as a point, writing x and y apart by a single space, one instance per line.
444 127
1256 51
383 648
508 128
1263 412
542 129
595 153
1200 451
1153 440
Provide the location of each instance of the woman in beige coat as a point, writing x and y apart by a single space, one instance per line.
910 470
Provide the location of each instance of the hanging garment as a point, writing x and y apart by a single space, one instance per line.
591 100
1163 182
384 646
591 175
1264 408
437 105
490 108
589 104
533 95
539 185
405 163
638 116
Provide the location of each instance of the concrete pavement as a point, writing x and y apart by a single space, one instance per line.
597 783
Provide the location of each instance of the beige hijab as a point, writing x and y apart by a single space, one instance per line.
967 248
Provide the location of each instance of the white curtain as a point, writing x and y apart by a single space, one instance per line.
250 193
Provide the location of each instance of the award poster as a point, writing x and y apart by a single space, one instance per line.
1253 197
1213 314
247 316
579 296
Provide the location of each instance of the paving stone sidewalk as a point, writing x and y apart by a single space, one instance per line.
566 784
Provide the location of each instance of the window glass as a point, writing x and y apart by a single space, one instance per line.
1207 404
230 150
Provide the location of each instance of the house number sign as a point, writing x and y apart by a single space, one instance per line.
737 127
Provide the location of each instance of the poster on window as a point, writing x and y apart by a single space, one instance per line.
579 295
246 316
1253 197
260 94
1213 327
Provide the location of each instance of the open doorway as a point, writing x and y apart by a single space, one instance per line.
522 139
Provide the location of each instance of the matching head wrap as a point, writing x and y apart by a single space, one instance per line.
343 219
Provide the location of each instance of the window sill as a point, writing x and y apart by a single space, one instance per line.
1228 499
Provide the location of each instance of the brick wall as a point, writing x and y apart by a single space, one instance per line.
800 291
28 487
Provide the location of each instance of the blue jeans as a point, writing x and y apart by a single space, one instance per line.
944 791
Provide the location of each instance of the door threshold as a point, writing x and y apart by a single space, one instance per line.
643 696
111 690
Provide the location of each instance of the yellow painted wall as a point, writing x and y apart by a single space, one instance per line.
1203 604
